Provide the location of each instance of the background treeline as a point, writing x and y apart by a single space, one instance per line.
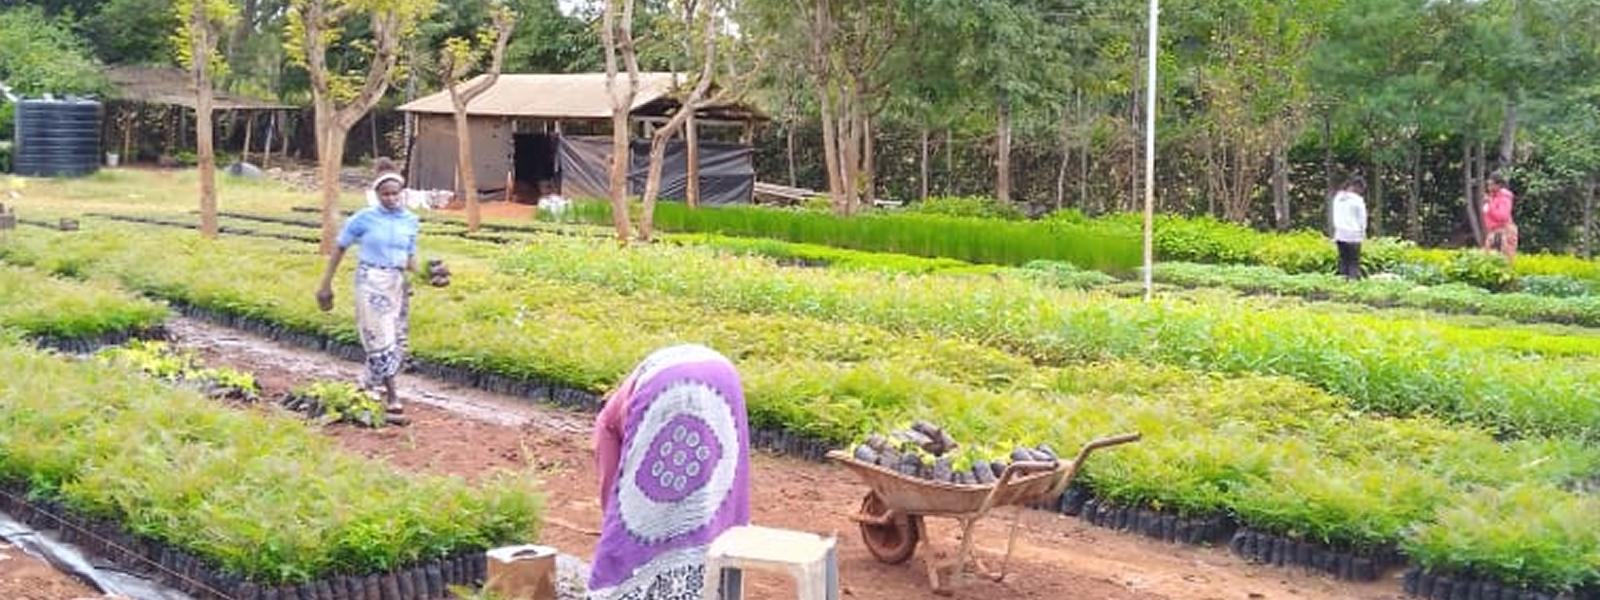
1263 105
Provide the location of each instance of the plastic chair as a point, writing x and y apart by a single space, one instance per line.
808 558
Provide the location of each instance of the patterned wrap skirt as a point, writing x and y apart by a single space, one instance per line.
383 310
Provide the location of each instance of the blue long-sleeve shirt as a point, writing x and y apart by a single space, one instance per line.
387 238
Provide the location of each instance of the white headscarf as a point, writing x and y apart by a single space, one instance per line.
390 176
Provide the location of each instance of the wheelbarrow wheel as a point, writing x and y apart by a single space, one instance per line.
892 543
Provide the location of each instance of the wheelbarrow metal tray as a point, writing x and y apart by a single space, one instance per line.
936 498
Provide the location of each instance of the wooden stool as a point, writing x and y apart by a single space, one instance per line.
810 559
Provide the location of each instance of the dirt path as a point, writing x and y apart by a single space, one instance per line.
24 577
469 432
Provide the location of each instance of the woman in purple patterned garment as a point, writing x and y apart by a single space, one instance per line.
673 449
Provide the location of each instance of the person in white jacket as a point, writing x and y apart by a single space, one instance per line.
1350 225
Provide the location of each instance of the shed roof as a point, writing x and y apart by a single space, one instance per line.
548 96
174 87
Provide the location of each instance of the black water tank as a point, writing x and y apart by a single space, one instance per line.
56 138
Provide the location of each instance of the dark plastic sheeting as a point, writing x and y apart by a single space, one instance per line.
727 171
68 558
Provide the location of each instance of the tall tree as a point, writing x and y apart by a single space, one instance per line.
617 34
705 14
1014 54
340 98
1252 89
201 23
1378 70
458 59
843 50
39 55
133 31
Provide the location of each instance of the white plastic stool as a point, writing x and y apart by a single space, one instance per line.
808 558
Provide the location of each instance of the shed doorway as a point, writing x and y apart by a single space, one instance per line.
534 166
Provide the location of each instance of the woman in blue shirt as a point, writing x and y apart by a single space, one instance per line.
387 236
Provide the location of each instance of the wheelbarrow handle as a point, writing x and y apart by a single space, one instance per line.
1077 462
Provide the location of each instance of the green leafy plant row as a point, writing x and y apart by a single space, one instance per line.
1449 298
261 497
162 361
934 236
35 304
1213 241
818 255
1384 364
1280 455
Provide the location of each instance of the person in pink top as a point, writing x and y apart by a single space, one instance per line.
672 447
1501 232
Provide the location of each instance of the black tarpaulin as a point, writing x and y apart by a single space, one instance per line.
727 171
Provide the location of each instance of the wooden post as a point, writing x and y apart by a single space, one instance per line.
272 125
249 128
127 134
510 180
691 140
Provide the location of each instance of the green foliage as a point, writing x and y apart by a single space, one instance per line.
1409 284
160 360
8 116
258 497
338 401
932 236
41 55
812 254
1419 272
978 207
876 350
1535 535
37 305
132 31
1064 275
1554 286
1488 270
202 22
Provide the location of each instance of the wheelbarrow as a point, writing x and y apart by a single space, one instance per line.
892 512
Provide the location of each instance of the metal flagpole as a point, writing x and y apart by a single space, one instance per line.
1150 154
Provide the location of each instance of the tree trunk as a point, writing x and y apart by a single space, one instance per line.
201 47
619 174
249 130
1469 190
1327 152
1375 186
617 34
949 161
924 171
788 143
1066 160
1414 192
1508 136
851 154
1002 162
652 183
830 153
330 155
1280 188
1083 155
1588 216
469 178
869 163
691 140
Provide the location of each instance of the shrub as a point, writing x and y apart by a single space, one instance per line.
1064 275
1555 286
1421 273
982 207
1487 270
1301 252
